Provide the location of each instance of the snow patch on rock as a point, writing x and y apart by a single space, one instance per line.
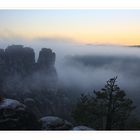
11 104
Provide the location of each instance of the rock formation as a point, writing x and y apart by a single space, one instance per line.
54 123
82 128
46 58
19 60
15 116
20 73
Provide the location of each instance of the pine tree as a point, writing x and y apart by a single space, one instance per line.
106 109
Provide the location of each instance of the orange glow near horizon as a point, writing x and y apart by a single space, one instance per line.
85 26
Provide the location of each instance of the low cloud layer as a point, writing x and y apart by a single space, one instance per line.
89 66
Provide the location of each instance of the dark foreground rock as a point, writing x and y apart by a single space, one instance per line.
54 123
15 116
32 107
82 127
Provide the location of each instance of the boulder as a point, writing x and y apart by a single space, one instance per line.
54 123
11 104
82 127
15 116
32 106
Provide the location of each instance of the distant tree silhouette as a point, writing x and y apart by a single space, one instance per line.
106 109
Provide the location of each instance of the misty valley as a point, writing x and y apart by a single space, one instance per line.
56 90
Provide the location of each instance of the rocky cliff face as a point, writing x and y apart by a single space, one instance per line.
21 74
46 58
45 69
19 60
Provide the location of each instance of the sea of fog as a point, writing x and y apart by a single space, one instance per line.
89 66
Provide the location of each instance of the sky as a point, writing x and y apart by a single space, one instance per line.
85 26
